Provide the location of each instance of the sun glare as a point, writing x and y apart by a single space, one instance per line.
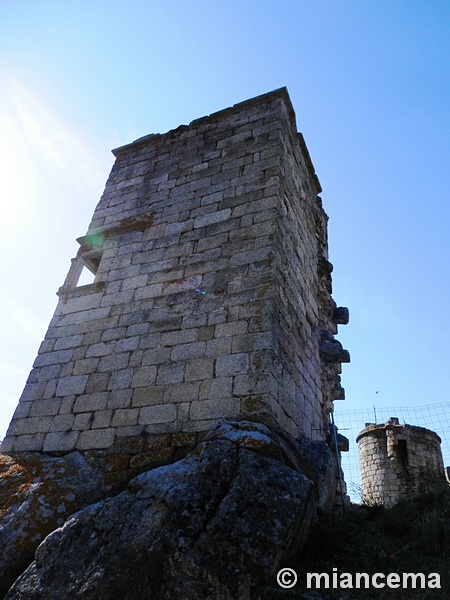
13 178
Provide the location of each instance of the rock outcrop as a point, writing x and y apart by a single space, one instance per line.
217 524
37 494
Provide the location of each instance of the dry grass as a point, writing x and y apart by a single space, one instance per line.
411 537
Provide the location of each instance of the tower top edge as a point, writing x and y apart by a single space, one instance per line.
377 428
267 98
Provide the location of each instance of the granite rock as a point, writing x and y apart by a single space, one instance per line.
37 494
217 524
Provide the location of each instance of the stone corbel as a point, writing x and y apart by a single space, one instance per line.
332 351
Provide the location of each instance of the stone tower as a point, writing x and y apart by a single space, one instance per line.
211 298
398 461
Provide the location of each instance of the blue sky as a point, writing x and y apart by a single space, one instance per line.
369 81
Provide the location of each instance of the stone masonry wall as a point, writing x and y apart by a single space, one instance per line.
398 461
211 299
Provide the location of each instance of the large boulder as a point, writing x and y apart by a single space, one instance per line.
312 458
216 525
37 494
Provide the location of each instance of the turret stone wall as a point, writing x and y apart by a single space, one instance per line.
398 461
211 299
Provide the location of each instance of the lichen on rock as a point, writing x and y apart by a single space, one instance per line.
216 524
37 494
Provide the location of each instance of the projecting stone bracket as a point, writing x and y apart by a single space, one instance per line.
341 315
66 293
343 443
96 240
332 351
338 393
324 267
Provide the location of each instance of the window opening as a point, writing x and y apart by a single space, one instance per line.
402 452
91 263
87 277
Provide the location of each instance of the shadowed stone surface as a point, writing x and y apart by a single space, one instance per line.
313 459
217 524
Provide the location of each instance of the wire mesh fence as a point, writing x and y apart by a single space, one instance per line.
435 417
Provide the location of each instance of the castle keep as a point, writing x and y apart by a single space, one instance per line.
211 298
